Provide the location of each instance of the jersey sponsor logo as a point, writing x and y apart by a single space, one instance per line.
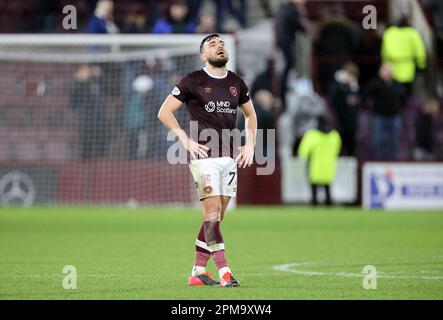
176 91
233 91
382 187
226 110
220 106
210 106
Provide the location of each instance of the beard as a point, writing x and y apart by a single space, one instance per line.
218 62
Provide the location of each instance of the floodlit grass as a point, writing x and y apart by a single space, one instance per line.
148 253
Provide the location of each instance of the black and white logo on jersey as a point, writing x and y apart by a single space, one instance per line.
210 106
220 107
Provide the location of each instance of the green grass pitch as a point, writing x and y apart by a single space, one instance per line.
148 253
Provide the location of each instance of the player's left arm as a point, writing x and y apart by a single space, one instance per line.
246 155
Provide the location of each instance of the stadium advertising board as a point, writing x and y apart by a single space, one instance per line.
403 186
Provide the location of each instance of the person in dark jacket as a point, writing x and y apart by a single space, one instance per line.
223 8
388 98
435 9
289 20
86 101
264 103
102 21
425 149
177 20
45 15
337 41
265 80
344 96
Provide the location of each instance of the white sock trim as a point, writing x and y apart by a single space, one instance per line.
197 270
222 271
202 245
216 247
213 248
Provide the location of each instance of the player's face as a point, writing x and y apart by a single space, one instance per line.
215 52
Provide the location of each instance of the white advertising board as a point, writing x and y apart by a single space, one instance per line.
402 185
296 188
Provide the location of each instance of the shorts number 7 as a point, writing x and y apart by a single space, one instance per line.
232 173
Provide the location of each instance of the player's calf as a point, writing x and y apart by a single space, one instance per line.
202 254
214 240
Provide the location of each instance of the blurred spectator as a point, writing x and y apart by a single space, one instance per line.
136 20
207 23
235 8
371 51
45 13
177 20
338 39
289 19
344 96
424 129
134 116
266 7
388 98
264 102
403 48
86 100
304 106
264 79
435 7
164 74
103 21
321 147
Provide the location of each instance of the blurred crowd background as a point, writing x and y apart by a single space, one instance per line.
381 88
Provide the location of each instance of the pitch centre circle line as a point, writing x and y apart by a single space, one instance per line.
292 267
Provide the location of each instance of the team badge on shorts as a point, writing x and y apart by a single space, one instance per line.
233 91
206 178
207 189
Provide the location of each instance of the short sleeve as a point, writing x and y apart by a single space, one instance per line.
244 92
181 90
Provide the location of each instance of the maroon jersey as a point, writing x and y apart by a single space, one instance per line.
213 103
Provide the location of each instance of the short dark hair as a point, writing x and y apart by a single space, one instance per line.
208 38
323 123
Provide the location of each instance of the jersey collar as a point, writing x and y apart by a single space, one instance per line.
215 77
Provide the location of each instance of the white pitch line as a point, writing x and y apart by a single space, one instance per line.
289 267
59 275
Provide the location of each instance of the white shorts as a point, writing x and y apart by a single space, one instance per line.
214 177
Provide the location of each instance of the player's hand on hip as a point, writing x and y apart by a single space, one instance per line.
246 156
196 150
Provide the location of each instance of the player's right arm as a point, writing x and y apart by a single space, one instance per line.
167 118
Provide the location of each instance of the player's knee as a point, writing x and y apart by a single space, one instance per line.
213 214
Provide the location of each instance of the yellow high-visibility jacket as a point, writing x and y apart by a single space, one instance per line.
403 49
321 149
